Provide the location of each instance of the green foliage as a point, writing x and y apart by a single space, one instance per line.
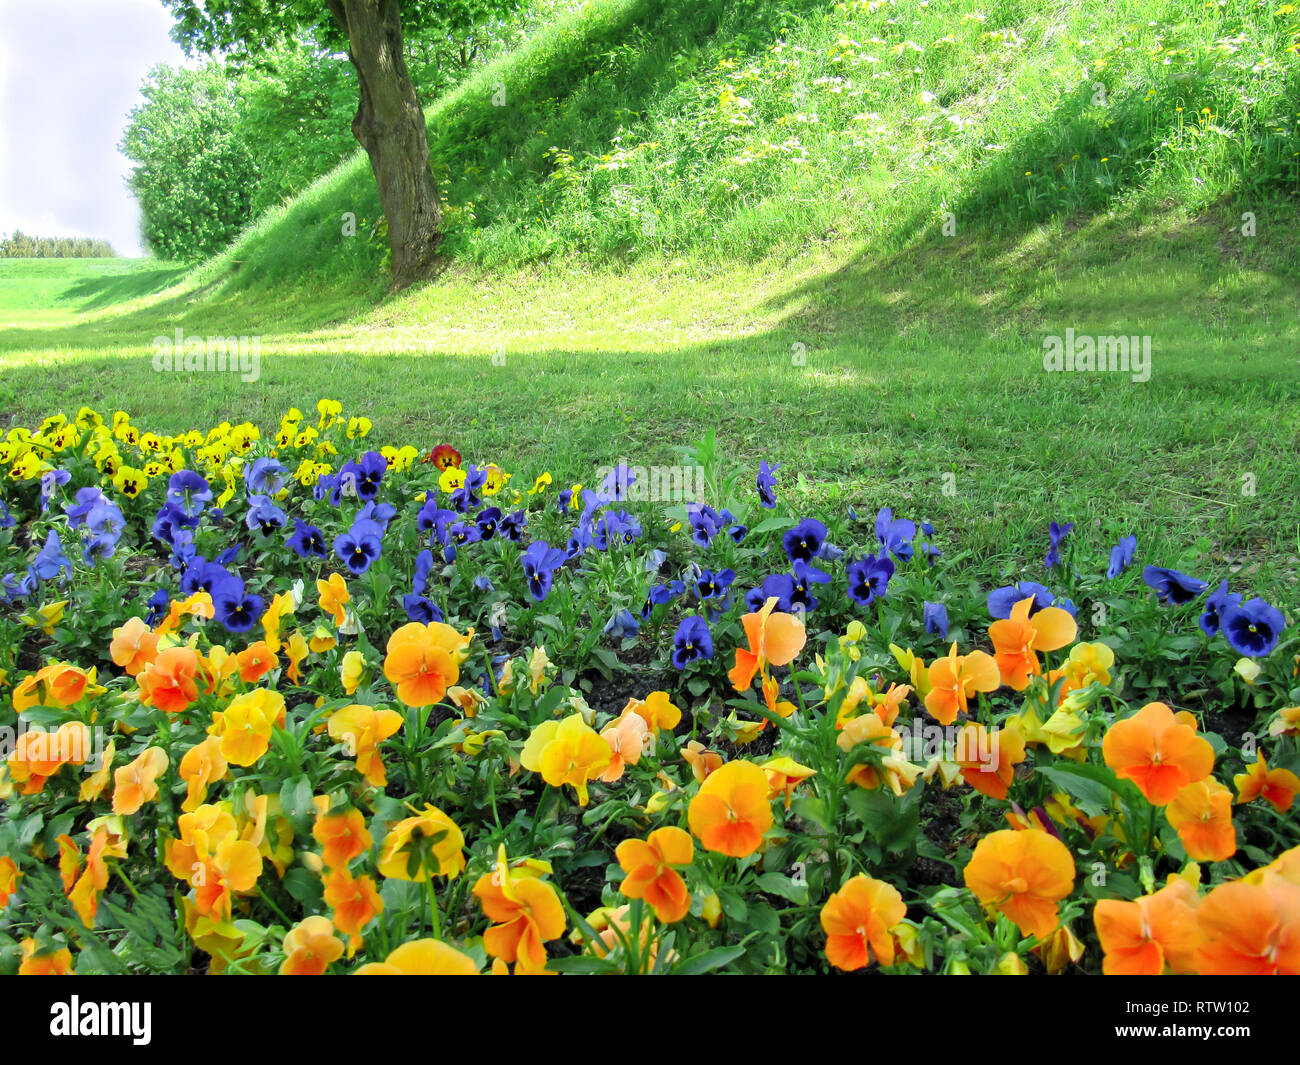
733 131
280 105
194 172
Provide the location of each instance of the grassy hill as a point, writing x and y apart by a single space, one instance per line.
736 129
838 234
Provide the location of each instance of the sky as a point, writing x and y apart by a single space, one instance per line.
70 70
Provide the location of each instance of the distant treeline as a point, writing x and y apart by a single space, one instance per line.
21 246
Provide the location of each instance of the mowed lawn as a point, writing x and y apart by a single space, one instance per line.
913 380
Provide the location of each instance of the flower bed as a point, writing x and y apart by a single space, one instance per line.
306 705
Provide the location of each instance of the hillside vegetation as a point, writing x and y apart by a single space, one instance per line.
738 129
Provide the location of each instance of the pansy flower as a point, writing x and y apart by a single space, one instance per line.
1159 751
1002 600
1219 601
778 586
691 641
1172 587
360 546
731 811
1121 556
1253 628
802 542
236 609
868 578
1022 875
1151 935
935 617
710 585
649 865
540 561
1056 535
806 575
895 534
444 456
859 920
767 484
525 912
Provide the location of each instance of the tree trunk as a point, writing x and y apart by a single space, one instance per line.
389 125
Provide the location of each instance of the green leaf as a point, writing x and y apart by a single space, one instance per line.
44 716
295 798
773 524
764 919
709 960
582 964
779 884
303 885
893 822
1091 786
810 808
733 905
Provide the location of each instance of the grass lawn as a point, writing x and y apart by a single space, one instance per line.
921 387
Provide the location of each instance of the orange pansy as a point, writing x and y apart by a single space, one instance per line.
954 680
859 920
1160 753
423 661
310 947
731 811
1250 929
775 638
525 912
988 758
650 874
1201 814
133 647
202 766
168 682
362 728
255 661
1022 875
1018 639
334 597
422 957
701 760
1277 786
355 902
343 836
1150 935
137 783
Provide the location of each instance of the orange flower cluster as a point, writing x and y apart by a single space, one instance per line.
1245 927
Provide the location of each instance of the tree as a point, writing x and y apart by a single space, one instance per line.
194 175
389 122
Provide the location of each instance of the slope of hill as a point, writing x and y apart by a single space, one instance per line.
728 130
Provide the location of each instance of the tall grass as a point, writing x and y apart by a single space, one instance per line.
737 129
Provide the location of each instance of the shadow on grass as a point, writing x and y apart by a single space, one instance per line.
95 293
1092 271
